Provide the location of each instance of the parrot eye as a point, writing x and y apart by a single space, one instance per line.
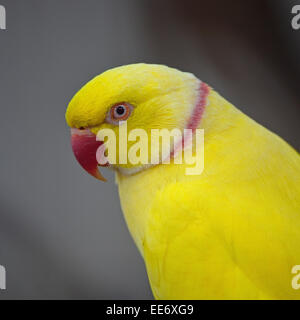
119 112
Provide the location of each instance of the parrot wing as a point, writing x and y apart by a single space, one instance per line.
207 241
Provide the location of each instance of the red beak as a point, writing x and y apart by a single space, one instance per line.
85 146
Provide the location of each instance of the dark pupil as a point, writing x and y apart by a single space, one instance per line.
120 110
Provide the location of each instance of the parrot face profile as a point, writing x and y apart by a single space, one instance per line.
145 96
231 232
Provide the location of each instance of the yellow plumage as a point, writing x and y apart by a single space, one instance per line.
231 233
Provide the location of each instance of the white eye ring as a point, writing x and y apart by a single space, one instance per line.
119 112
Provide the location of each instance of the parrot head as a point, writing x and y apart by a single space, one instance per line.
146 96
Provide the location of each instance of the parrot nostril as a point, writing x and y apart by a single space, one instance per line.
81 128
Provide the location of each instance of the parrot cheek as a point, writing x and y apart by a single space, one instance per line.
85 146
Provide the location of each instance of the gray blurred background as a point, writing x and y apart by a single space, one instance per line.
62 233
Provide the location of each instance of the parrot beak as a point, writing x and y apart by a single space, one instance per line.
85 146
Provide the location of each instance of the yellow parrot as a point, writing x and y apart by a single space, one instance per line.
231 232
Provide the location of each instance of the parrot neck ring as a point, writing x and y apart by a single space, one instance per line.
195 117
